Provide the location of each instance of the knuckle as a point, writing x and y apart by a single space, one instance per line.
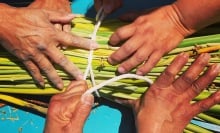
83 83
47 69
203 106
187 79
23 55
71 39
140 20
42 46
196 88
167 74
128 49
62 60
37 57
33 70
216 97
118 34
139 57
83 89
115 59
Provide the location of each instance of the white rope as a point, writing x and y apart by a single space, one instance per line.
99 86
93 37
89 69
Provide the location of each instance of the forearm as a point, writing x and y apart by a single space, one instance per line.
197 14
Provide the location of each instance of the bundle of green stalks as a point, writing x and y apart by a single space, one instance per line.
14 78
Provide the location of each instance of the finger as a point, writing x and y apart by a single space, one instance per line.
98 4
75 89
153 58
58 27
121 34
201 83
48 69
82 111
186 80
76 92
136 59
205 104
35 73
69 39
73 84
59 17
60 59
109 5
67 28
168 76
125 51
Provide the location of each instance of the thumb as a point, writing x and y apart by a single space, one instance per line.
59 17
83 110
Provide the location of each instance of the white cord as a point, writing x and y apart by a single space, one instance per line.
93 37
99 86
89 69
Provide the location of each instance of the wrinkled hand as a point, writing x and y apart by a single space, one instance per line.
29 35
146 40
66 112
108 5
166 106
62 6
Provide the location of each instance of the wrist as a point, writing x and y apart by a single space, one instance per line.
157 122
177 20
196 15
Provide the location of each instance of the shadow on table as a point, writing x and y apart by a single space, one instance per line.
127 124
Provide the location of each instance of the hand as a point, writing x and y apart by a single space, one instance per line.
166 107
66 112
29 35
108 5
146 40
54 5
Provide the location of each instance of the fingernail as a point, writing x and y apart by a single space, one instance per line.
87 99
110 61
121 70
139 73
185 55
80 77
205 56
60 86
71 15
41 84
217 68
94 45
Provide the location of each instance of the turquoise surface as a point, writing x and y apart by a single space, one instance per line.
106 117
13 120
